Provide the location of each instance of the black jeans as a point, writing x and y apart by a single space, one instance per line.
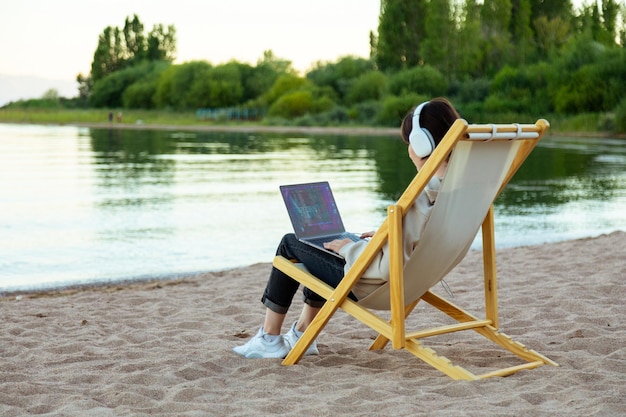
280 288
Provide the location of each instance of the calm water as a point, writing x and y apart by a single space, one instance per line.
83 205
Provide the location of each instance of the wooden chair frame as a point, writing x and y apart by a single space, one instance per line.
394 330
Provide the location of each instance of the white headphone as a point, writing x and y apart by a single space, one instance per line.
421 139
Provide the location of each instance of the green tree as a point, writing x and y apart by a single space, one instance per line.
400 32
551 34
522 32
622 31
600 21
496 18
438 47
551 9
608 31
161 44
118 49
469 45
85 84
109 56
135 40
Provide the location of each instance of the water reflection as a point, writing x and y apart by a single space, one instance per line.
558 171
84 205
561 171
126 160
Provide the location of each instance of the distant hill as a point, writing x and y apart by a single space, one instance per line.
22 87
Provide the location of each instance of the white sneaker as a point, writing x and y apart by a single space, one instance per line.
260 347
291 338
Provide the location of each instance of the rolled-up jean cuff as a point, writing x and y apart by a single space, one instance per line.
313 303
274 307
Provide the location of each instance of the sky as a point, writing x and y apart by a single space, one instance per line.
44 43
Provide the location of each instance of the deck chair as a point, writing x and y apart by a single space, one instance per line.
483 160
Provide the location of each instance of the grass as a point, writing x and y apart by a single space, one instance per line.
584 123
68 116
581 123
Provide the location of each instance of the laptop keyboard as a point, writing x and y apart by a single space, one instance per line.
320 241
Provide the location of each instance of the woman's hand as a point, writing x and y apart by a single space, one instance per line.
337 244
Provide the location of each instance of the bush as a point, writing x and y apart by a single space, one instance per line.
521 90
424 80
336 116
395 108
366 112
473 112
340 75
620 117
595 86
226 85
109 91
184 86
284 85
140 95
36 104
369 86
292 105
470 90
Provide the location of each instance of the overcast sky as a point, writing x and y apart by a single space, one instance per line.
56 39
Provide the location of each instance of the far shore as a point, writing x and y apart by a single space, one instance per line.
256 128
334 130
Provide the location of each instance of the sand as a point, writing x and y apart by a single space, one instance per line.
164 348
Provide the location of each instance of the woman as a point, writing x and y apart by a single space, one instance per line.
422 129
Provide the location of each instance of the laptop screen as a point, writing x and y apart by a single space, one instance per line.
312 209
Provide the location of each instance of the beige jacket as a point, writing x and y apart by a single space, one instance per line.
413 225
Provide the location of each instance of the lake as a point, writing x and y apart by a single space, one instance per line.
82 205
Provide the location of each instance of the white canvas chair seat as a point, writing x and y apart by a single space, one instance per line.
472 182
484 158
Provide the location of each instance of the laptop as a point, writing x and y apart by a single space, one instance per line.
314 214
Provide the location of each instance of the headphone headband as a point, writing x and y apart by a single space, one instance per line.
417 112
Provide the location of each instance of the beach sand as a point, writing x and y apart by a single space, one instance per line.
164 348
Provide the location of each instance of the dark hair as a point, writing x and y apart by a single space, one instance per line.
437 116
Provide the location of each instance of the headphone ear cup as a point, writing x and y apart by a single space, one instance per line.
421 139
422 142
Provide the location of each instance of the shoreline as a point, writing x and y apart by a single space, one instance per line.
339 130
174 279
315 130
104 287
